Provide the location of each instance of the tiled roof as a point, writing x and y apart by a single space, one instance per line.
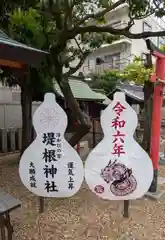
132 90
5 39
106 101
82 91
16 51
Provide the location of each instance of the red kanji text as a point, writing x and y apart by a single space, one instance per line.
118 108
117 123
118 149
118 136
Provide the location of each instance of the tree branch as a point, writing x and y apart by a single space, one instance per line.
130 24
124 31
144 34
78 45
68 15
101 13
83 123
97 29
74 69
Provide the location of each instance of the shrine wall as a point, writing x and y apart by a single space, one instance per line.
10 107
11 115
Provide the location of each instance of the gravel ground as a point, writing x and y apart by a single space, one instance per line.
83 216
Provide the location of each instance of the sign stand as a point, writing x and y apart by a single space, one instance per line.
55 169
118 168
158 78
41 204
126 209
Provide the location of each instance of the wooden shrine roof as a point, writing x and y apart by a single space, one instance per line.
11 50
131 90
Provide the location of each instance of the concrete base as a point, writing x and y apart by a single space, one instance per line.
162 157
162 161
159 193
155 196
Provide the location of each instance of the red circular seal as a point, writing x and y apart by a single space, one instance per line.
99 189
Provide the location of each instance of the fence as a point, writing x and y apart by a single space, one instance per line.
11 139
10 126
96 133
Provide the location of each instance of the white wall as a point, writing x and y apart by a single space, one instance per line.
11 115
10 108
122 48
139 45
5 94
9 94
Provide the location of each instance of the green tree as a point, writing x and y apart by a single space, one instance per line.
163 47
26 26
6 6
139 74
136 72
83 22
106 80
76 28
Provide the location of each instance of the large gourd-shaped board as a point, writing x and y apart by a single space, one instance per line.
50 167
118 168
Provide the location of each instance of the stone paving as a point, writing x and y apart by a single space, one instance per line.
83 216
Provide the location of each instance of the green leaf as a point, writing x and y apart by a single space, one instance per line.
26 27
107 80
136 72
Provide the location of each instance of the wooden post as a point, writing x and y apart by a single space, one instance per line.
156 119
12 139
41 204
158 78
78 148
19 138
93 133
126 209
4 140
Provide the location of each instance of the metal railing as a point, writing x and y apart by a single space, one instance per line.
114 65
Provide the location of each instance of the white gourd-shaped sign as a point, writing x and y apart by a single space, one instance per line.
50 167
118 168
